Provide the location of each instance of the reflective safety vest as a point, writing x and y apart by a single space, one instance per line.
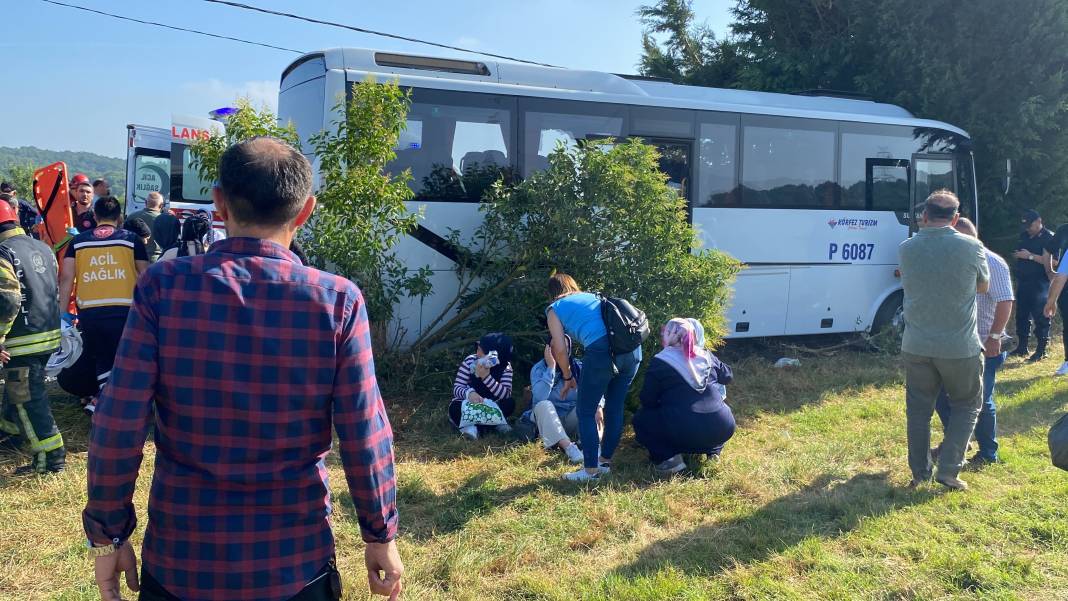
35 330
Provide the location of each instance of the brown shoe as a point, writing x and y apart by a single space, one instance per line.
953 483
916 483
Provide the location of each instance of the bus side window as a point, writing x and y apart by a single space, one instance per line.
543 131
874 167
788 163
717 162
455 152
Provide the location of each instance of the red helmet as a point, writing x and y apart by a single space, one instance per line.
8 214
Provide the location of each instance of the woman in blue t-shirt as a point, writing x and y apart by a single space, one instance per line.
578 314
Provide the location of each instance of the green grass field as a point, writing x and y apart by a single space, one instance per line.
809 502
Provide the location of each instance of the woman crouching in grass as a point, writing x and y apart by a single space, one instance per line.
682 406
482 391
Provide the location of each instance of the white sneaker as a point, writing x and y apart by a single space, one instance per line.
581 475
574 455
470 432
1063 371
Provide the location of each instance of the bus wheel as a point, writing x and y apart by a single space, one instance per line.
890 314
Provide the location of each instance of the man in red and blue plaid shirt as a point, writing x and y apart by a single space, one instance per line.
250 358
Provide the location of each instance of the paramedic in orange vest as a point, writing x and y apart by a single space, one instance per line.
106 261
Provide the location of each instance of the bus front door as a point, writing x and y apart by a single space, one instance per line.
930 172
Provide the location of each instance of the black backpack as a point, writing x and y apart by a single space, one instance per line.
627 326
1058 442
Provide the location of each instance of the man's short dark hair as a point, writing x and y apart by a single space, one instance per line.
138 226
942 205
265 181
108 208
99 181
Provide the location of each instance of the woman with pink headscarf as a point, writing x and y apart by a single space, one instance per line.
682 408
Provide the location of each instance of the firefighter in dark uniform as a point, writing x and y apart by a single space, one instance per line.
29 335
1034 266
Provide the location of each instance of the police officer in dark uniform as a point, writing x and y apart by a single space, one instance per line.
1034 266
29 335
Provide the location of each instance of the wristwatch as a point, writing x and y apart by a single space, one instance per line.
95 551
1030 257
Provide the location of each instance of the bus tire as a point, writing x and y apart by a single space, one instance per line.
889 313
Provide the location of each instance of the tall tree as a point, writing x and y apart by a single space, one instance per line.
997 73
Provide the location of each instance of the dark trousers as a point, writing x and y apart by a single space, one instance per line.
326 586
1030 301
987 425
27 413
507 408
666 433
101 338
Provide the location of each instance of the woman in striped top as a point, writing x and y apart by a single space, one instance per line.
477 382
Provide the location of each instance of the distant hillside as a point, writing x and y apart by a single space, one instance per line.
93 165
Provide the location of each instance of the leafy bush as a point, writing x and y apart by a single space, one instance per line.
361 213
245 123
601 212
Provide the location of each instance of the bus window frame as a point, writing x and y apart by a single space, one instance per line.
951 157
719 118
768 121
474 100
295 70
581 108
869 183
638 114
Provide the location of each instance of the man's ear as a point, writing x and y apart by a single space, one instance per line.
305 213
955 219
220 204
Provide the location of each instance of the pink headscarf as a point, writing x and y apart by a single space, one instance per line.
679 337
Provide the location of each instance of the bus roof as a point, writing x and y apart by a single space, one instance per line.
552 82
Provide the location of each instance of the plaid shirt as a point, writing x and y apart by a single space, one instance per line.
1000 290
250 358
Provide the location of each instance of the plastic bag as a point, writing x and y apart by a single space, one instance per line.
486 413
1058 442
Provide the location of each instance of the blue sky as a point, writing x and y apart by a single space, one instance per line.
74 79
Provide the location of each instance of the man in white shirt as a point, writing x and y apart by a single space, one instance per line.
992 309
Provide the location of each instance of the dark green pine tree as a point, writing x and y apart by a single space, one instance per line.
995 69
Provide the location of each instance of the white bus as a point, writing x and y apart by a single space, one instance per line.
813 193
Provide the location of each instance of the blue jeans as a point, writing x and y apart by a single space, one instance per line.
599 379
986 426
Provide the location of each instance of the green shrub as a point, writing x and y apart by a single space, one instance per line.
603 213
